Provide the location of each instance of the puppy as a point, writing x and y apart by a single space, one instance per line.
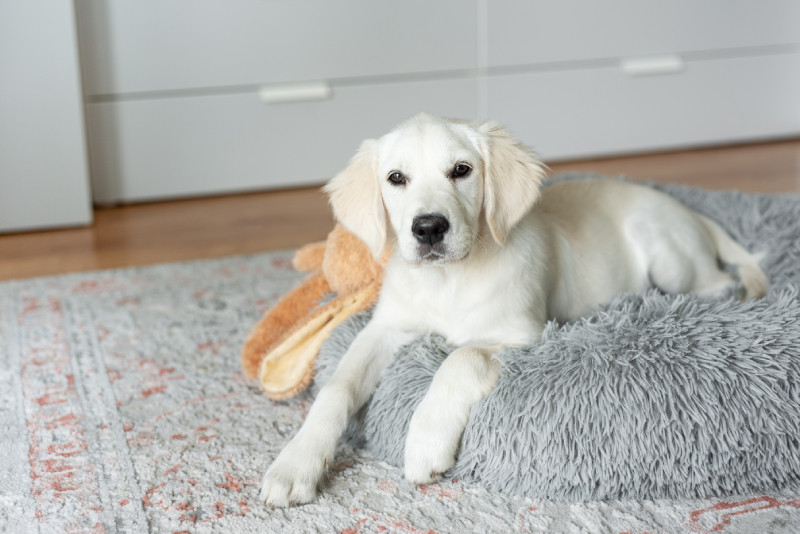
485 257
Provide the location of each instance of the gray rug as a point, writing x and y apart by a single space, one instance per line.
123 409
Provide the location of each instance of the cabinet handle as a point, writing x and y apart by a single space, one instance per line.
652 65
294 92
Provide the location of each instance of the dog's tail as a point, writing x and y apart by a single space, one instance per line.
750 273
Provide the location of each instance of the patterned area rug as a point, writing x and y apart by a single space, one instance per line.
123 409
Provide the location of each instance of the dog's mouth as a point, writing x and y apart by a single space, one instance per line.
435 254
431 256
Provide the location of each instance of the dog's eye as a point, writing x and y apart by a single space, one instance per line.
460 170
397 178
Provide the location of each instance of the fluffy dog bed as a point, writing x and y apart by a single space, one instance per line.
651 396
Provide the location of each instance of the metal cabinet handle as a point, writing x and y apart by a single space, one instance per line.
295 92
652 65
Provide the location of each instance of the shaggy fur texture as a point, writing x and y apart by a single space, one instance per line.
650 396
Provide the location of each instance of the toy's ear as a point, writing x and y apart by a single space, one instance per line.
513 178
355 196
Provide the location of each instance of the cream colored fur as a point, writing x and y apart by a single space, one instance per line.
514 256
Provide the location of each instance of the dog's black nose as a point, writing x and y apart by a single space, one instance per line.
429 229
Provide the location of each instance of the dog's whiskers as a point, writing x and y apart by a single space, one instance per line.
479 244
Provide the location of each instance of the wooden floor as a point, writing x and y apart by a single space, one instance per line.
243 224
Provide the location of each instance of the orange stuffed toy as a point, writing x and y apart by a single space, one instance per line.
282 347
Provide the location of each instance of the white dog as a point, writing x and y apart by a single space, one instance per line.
486 258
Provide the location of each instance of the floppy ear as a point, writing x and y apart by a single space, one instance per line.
355 196
513 178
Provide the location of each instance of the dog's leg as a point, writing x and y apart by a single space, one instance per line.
295 474
677 271
465 377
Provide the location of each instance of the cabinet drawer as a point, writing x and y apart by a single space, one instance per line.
158 45
572 113
162 148
541 31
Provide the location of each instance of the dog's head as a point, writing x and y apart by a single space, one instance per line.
440 184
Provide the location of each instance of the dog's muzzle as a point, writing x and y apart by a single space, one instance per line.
429 229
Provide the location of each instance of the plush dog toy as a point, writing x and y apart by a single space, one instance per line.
282 347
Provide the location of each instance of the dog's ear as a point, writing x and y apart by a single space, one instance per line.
513 178
355 196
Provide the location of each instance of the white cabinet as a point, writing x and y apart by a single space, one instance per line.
43 170
172 86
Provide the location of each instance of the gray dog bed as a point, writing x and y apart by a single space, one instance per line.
651 396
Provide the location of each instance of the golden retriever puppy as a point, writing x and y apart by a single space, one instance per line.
485 257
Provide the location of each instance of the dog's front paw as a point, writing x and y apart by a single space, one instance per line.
431 445
294 476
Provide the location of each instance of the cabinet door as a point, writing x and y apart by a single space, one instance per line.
43 172
167 45
588 112
545 31
173 147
